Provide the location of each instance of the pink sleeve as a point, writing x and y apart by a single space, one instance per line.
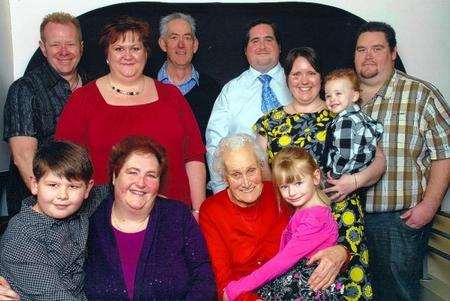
194 150
72 122
309 233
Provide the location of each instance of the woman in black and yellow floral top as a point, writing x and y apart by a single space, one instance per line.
304 123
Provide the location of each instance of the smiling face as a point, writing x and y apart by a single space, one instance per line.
304 82
262 51
127 57
137 183
58 197
374 60
62 48
243 174
339 94
179 43
303 191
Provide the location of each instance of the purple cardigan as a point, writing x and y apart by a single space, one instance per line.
174 262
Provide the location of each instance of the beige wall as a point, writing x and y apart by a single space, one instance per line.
6 74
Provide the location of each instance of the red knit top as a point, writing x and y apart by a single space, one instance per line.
87 119
242 239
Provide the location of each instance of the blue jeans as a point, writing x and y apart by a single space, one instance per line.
396 254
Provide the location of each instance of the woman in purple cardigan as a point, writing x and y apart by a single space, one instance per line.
142 246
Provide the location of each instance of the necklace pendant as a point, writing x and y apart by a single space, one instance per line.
129 93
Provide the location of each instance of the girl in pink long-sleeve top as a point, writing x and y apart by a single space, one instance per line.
310 229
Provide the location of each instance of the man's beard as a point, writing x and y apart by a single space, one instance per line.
368 73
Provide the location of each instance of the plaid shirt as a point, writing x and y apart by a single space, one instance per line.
351 142
416 120
43 258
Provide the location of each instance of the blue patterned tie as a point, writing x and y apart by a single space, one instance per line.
269 99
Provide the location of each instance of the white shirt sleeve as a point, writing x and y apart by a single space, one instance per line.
218 128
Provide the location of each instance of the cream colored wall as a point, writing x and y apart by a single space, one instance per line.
6 74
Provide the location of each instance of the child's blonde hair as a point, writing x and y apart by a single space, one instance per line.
292 164
344 73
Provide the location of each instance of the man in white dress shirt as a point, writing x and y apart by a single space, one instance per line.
240 103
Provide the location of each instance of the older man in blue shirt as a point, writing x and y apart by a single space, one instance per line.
179 42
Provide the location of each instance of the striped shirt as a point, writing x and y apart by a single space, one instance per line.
416 120
34 103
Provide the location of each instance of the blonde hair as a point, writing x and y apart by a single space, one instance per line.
344 74
60 18
292 164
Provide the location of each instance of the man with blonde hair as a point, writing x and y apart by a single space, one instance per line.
35 100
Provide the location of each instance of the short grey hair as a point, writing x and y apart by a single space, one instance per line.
232 143
175 16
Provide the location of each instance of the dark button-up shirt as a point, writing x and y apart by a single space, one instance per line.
42 257
32 108
34 103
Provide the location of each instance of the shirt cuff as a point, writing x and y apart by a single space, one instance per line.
199 158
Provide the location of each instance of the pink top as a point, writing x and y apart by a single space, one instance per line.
309 231
87 119
129 246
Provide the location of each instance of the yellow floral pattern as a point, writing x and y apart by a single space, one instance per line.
367 291
356 274
348 214
348 218
353 292
284 141
308 130
304 130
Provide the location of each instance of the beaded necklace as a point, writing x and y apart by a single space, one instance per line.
123 92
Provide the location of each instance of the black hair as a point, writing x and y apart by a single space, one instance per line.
306 52
375 26
256 22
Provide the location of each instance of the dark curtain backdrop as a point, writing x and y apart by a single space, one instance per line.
221 30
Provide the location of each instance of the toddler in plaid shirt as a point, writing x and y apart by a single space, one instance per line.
42 252
352 136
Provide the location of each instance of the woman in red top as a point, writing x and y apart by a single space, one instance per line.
125 102
242 224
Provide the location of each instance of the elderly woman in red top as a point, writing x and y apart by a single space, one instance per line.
242 224
125 102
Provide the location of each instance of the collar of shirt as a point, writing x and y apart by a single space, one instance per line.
53 78
386 90
277 74
349 110
184 87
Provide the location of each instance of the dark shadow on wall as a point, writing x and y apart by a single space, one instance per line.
221 30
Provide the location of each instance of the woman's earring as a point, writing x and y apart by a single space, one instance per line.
107 61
